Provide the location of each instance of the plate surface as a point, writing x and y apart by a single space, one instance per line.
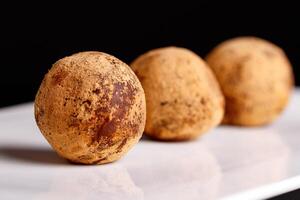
228 162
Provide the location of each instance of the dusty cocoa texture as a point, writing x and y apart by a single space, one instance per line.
255 77
91 108
183 97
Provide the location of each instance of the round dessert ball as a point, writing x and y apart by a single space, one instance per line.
183 97
91 108
255 77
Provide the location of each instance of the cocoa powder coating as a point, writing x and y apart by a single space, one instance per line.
91 108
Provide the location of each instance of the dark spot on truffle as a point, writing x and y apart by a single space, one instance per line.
134 127
99 160
84 157
122 99
163 103
163 123
87 105
231 108
73 121
96 91
269 53
101 110
113 61
120 147
203 101
105 129
249 109
59 77
141 78
88 102
188 105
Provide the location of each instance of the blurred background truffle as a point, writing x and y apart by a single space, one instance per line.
256 79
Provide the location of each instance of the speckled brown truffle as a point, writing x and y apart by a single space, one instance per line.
183 97
91 108
255 77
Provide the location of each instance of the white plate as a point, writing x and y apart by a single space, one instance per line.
228 162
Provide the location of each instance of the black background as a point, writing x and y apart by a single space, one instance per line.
34 36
